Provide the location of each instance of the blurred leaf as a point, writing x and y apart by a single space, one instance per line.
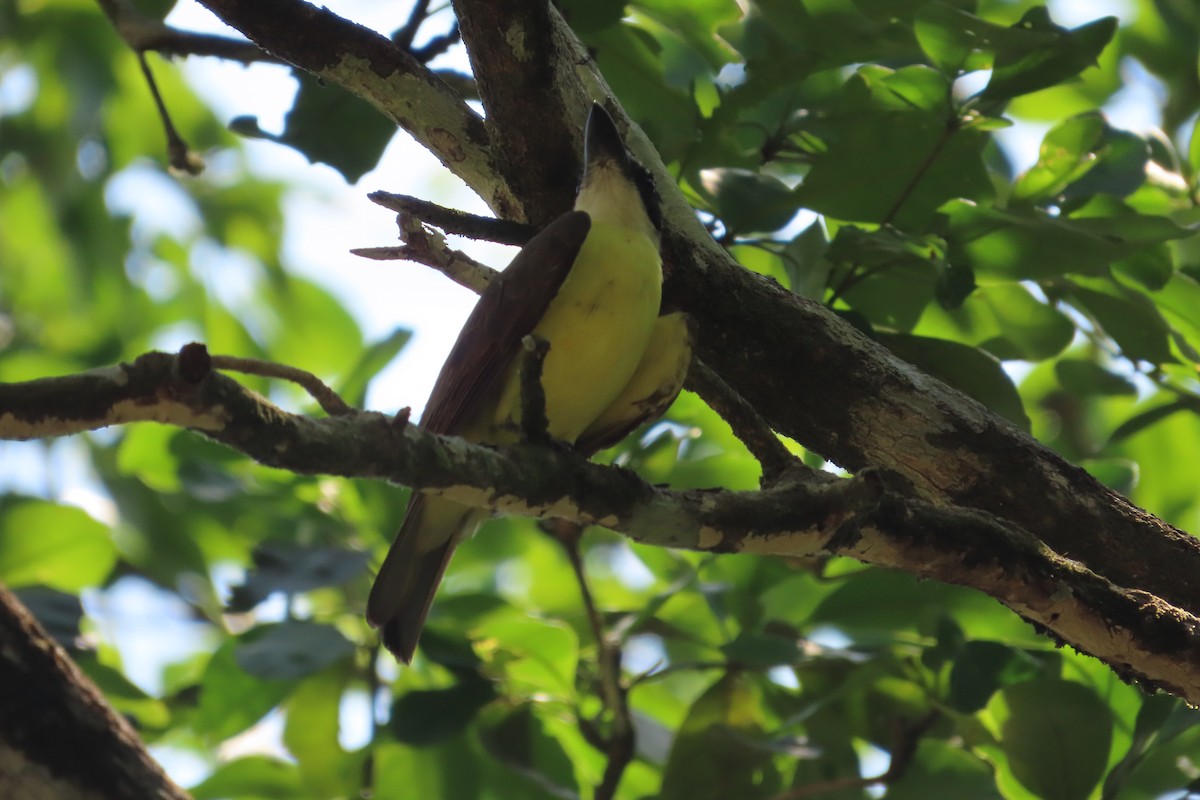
1145 419
425 717
126 698
716 753
231 699
1066 154
252 777
290 650
1086 378
61 547
353 387
761 651
311 735
287 568
943 771
1056 734
518 739
58 612
1128 316
748 201
1118 474
1065 53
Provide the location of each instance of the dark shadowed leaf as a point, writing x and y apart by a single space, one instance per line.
425 717
288 568
1086 378
290 650
968 369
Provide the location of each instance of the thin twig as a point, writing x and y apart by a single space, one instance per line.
428 247
618 745
747 424
178 154
328 399
460 223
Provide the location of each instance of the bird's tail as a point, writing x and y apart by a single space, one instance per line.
413 568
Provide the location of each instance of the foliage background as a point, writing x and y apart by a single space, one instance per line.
1064 297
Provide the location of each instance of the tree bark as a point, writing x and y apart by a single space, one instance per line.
59 739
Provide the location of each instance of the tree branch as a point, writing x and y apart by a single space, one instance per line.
371 66
814 378
60 738
1139 635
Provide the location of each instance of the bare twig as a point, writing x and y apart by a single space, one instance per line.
747 424
460 223
618 742
428 247
328 399
178 154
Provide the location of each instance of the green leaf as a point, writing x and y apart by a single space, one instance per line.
1087 378
1066 154
1144 419
957 41
929 158
291 650
231 699
1056 734
252 777
311 735
1066 53
968 369
331 126
981 668
1126 315
716 753
518 739
748 202
943 770
51 545
353 387
1029 244
538 656
761 651
1004 319
424 717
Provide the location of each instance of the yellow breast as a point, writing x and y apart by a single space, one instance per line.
598 327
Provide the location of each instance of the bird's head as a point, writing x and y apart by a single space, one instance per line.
616 189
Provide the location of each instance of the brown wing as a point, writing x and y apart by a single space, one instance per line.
507 311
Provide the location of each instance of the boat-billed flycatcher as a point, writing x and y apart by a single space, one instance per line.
590 285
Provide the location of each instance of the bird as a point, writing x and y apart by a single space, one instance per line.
590 286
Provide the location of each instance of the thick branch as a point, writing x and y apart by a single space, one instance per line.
1139 635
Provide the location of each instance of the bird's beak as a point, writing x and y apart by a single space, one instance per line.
602 142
